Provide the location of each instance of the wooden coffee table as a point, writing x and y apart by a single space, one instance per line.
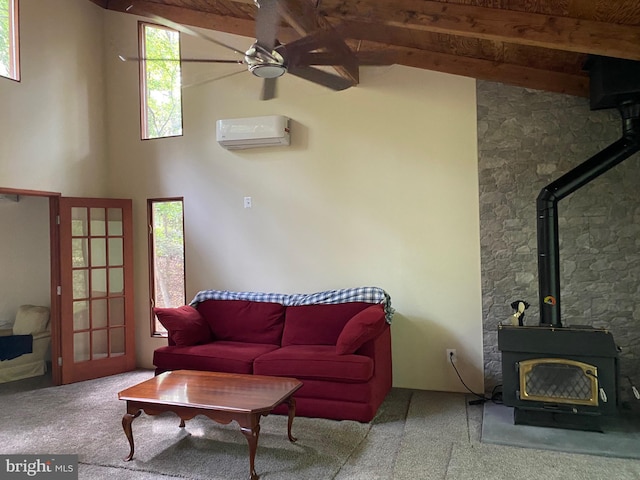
223 397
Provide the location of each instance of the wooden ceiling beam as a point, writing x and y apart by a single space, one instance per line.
511 74
548 31
194 18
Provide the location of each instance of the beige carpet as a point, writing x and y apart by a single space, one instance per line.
416 435
85 418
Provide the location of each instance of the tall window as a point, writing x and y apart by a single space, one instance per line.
166 256
160 81
9 56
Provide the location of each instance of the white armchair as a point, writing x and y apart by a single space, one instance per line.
32 320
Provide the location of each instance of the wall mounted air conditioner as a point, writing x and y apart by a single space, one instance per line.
238 133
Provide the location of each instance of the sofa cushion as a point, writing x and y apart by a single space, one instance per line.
320 362
219 356
332 390
362 327
184 325
244 321
318 324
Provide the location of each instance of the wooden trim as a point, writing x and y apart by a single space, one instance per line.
142 80
151 267
55 314
32 193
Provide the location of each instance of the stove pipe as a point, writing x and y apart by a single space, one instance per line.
547 202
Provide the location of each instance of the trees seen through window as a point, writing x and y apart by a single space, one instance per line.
160 77
9 57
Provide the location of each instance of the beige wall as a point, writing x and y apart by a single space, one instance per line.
53 120
52 137
379 187
24 243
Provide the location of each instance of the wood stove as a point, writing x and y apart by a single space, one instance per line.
568 376
559 377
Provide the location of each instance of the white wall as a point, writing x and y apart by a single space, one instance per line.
53 121
24 245
379 187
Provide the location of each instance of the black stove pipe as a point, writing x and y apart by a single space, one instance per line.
547 208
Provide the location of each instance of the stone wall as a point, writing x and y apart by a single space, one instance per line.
526 140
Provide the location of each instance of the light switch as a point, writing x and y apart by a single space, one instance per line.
247 202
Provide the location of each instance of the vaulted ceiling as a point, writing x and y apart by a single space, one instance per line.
539 44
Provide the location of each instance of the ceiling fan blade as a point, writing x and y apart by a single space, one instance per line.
188 60
319 58
181 28
267 23
209 80
314 41
268 89
333 58
320 77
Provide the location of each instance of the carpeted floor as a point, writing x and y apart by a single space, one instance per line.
416 435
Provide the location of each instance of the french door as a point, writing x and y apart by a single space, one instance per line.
96 291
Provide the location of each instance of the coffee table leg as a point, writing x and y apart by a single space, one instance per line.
126 425
292 414
252 437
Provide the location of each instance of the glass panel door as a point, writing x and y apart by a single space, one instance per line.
97 276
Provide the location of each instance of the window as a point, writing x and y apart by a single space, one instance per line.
9 57
160 81
166 257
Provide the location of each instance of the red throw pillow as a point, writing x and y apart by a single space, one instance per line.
362 327
184 324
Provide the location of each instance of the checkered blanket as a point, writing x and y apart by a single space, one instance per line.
345 295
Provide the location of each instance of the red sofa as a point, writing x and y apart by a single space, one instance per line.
341 352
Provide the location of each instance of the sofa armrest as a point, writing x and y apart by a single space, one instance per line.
42 345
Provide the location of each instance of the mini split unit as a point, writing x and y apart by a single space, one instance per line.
240 133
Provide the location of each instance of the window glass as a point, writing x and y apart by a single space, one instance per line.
9 57
161 92
166 257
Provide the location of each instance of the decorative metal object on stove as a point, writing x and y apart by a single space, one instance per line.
517 319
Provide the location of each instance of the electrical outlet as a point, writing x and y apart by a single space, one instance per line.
452 355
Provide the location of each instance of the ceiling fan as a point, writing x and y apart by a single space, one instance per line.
269 59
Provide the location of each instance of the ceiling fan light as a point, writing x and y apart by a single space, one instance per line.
267 71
